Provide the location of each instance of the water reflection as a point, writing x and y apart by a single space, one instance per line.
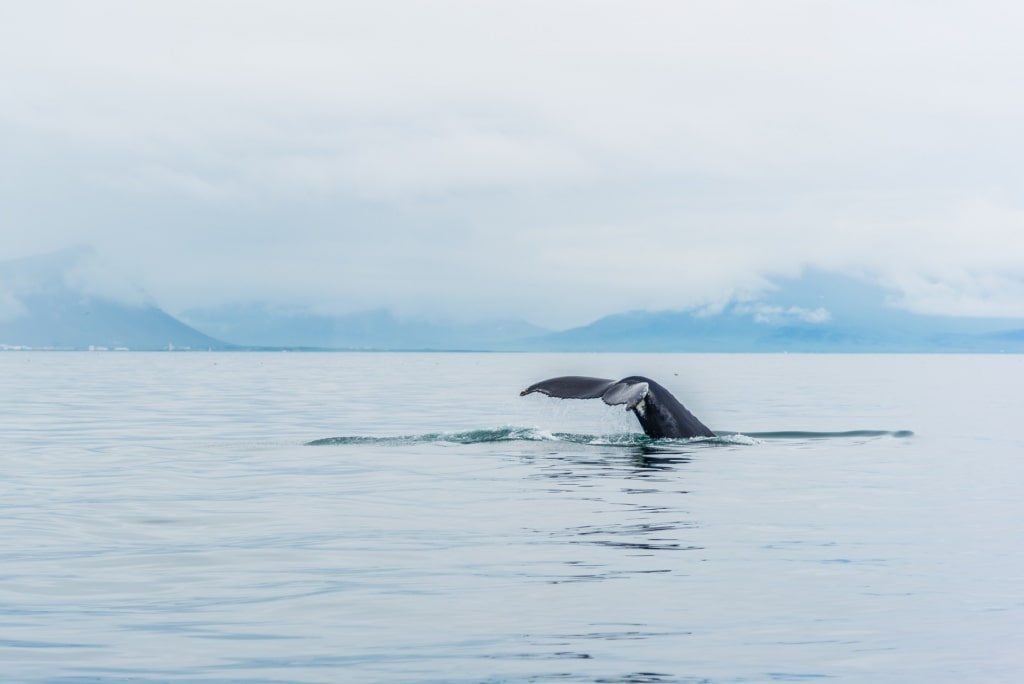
576 464
659 459
626 513
659 531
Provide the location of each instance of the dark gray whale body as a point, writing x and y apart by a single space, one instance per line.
660 414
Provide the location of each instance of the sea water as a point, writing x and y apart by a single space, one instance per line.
164 517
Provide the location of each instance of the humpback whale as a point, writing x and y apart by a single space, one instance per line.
660 414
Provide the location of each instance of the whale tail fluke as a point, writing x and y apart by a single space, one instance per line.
660 414
613 392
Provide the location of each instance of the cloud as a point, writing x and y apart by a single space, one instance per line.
558 162
11 307
90 276
763 313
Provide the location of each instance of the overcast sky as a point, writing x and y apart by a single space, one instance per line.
556 161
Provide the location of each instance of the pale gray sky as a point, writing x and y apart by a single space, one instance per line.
556 161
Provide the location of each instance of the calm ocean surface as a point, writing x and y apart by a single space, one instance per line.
162 518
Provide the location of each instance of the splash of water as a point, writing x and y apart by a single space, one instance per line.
516 434
486 436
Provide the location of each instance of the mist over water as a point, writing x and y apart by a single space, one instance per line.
410 518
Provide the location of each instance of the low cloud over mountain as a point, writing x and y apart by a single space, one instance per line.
70 300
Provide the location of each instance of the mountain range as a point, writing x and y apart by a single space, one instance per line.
69 300
816 312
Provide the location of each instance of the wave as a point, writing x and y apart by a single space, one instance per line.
520 434
486 436
803 434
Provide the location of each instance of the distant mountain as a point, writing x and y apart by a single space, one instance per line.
68 300
264 325
818 312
